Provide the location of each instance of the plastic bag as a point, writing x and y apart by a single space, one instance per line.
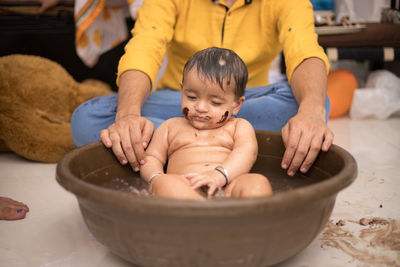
381 98
360 10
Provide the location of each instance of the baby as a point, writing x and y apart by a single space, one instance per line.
207 149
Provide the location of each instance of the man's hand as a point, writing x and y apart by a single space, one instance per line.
131 133
307 133
304 136
128 137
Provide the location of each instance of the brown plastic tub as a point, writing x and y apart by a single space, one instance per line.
219 232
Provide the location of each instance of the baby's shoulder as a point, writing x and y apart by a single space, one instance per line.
240 122
173 123
242 126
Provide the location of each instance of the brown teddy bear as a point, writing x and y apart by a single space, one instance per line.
37 98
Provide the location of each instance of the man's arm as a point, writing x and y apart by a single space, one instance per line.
154 29
307 133
130 133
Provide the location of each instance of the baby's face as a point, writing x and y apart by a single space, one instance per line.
204 104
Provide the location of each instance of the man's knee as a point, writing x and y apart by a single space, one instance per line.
327 107
79 122
91 117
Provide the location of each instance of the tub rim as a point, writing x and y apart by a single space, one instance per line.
282 200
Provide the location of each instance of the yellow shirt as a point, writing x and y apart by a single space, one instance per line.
257 30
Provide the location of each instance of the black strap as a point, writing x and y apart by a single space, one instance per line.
246 2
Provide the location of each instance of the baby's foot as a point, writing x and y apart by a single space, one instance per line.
11 209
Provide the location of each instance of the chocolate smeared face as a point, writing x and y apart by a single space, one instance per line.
185 112
205 105
224 117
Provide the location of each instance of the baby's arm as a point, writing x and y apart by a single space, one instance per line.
156 153
244 152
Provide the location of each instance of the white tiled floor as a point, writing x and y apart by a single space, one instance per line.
54 234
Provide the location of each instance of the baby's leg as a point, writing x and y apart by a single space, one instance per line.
174 186
249 185
11 209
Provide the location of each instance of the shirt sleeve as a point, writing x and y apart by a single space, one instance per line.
152 33
295 23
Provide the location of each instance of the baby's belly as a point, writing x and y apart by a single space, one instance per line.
197 159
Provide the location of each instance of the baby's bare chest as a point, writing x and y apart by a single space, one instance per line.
189 138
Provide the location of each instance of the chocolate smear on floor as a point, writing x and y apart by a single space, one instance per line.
373 241
341 223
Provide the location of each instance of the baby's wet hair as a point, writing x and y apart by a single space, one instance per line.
219 65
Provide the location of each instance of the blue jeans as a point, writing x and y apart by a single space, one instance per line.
266 108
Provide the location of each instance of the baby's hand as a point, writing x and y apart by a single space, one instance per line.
212 179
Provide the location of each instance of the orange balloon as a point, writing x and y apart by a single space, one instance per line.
341 86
